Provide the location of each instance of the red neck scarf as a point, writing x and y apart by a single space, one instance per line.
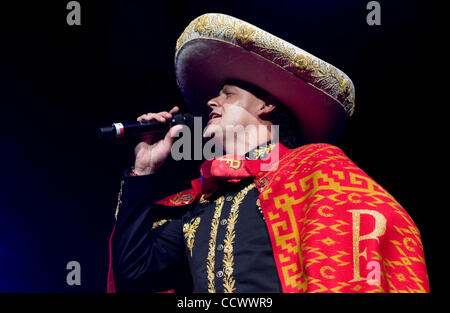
233 168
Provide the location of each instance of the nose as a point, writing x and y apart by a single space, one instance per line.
212 103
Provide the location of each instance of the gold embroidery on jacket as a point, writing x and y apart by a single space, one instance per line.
159 223
261 152
180 199
258 205
210 260
203 200
119 199
189 232
228 259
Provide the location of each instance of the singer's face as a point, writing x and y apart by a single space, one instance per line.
233 106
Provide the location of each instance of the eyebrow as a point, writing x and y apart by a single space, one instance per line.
225 88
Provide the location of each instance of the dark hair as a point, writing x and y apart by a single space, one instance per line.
290 134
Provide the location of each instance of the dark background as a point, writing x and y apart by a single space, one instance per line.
58 83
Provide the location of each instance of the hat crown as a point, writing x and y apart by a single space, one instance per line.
320 74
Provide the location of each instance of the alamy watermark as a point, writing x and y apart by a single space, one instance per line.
73 277
74 15
374 16
374 276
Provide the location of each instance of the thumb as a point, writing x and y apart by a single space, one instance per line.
172 133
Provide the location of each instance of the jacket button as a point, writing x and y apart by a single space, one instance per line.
223 222
220 247
219 274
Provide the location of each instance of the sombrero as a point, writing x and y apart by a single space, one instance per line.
215 48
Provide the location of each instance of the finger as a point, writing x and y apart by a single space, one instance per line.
172 133
160 117
175 109
167 115
174 130
153 116
144 117
141 118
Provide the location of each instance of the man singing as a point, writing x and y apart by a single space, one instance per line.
282 210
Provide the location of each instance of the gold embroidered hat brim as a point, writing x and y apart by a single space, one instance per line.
216 47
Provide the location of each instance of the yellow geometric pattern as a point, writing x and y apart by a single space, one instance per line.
327 220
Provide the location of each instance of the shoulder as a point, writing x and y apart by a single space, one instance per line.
328 170
327 167
318 149
317 154
330 163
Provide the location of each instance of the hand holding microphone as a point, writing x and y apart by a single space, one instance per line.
153 150
143 126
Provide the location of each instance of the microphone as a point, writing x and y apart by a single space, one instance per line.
136 128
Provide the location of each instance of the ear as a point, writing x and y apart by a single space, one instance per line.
268 105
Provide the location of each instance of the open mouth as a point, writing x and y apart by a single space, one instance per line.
214 115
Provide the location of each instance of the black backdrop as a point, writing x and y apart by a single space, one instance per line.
58 83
